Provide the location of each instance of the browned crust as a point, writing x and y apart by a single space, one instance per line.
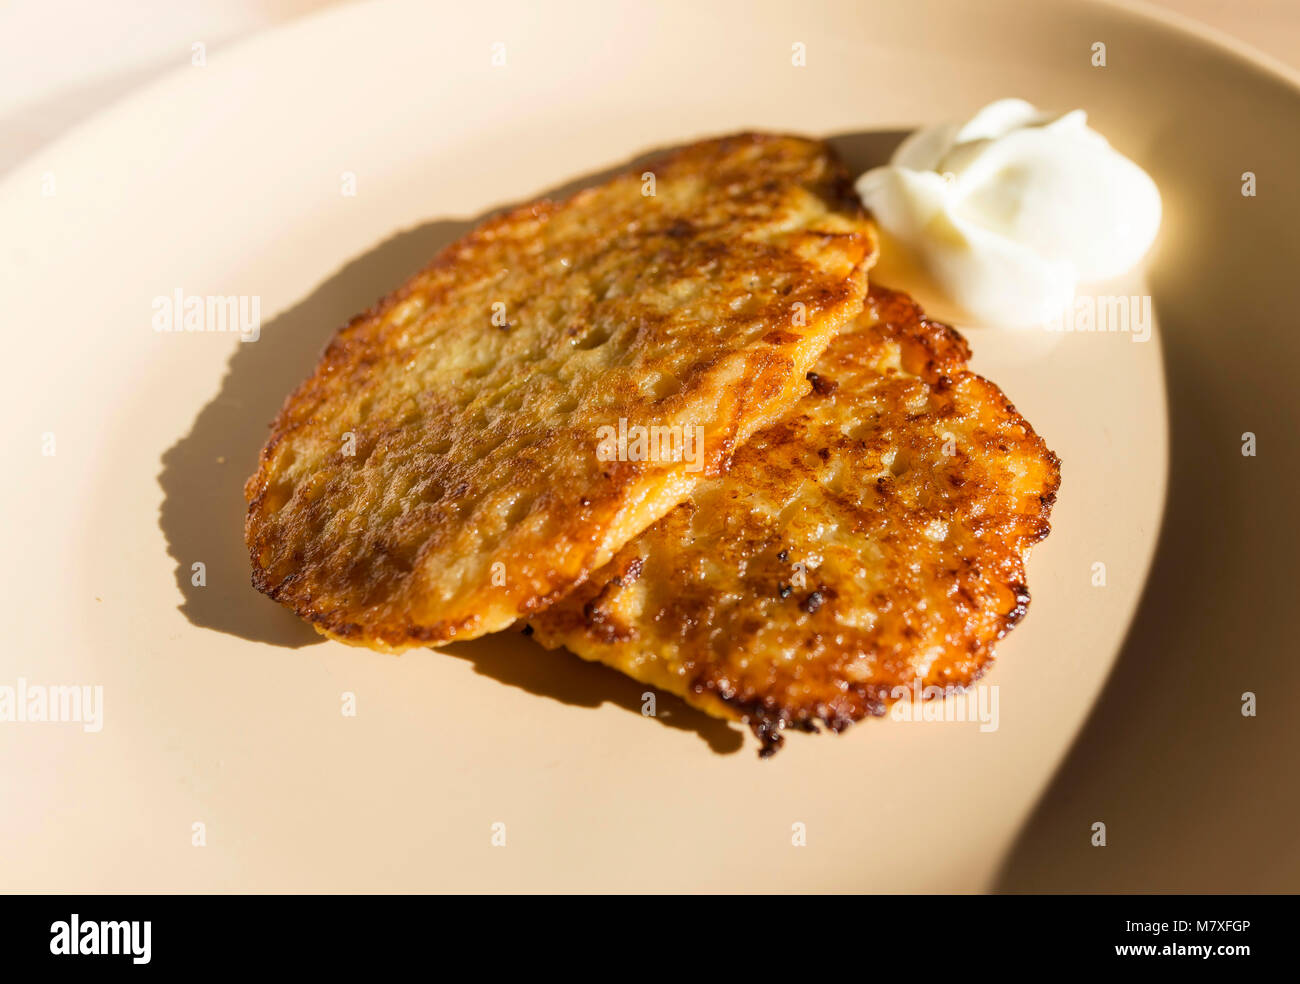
474 443
716 613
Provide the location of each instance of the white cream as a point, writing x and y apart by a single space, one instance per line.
1010 210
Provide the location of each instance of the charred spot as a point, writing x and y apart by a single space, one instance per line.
1021 608
767 730
780 337
824 454
784 590
813 602
821 385
783 556
628 575
602 626
336 627
838 720
599 621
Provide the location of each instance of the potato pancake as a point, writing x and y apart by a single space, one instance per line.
872 540
437 477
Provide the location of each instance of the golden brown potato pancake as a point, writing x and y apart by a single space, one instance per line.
437 476
874 537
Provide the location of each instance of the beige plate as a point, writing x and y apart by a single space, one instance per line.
221 709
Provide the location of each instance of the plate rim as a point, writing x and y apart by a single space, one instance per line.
1191 30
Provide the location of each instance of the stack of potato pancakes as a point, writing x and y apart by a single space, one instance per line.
819 510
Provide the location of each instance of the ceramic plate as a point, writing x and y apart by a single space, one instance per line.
315 167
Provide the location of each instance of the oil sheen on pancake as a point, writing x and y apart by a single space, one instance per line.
874 538
437 475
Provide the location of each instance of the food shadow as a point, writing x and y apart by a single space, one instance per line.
1196 795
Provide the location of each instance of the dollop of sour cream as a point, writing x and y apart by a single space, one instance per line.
1013 208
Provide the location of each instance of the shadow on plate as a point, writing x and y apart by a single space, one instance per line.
203 474
867 148
560 675
1196 796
